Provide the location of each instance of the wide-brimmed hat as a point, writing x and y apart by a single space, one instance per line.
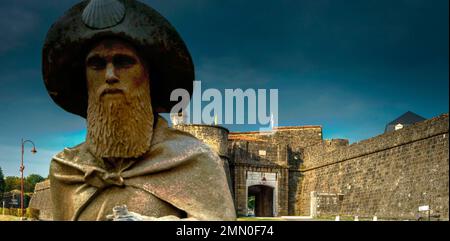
156 40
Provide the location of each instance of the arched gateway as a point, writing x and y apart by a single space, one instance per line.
261 198
262 190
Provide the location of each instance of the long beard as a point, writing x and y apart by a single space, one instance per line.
121 127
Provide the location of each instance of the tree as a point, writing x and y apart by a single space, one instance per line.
12 183
251 203
31 181
2 183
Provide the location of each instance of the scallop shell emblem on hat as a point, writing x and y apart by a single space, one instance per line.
88 21
100 14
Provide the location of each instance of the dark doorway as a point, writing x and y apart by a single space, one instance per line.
263 200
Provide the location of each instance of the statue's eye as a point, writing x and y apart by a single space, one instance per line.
96 63
123 61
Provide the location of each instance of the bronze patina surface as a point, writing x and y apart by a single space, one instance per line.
178 176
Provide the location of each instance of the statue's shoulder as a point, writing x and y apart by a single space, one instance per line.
76 154
171 136
175 134
181 143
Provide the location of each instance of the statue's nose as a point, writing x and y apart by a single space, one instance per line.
110 76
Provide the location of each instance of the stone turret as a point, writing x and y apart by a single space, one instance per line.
216 137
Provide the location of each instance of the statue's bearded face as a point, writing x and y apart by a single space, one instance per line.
120 117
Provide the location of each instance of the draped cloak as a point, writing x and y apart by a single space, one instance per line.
178 176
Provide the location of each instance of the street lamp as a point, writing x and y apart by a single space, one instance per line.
22 167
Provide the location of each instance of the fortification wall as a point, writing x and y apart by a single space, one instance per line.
240 174
295 137
258 151
41 202
216 137
390 175
312 153
281 147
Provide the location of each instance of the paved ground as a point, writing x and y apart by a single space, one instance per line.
300 218
8 218
284 218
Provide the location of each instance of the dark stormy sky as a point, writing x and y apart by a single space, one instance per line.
350 66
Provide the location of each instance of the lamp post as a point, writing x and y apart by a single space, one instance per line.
22 167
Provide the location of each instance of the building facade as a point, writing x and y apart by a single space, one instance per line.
293 171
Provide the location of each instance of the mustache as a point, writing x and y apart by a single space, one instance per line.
105 90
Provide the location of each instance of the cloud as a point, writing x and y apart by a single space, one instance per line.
47 145
34 163
230 72
343 112
322 101
17 24
174 7
61 140
19 83
27 109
